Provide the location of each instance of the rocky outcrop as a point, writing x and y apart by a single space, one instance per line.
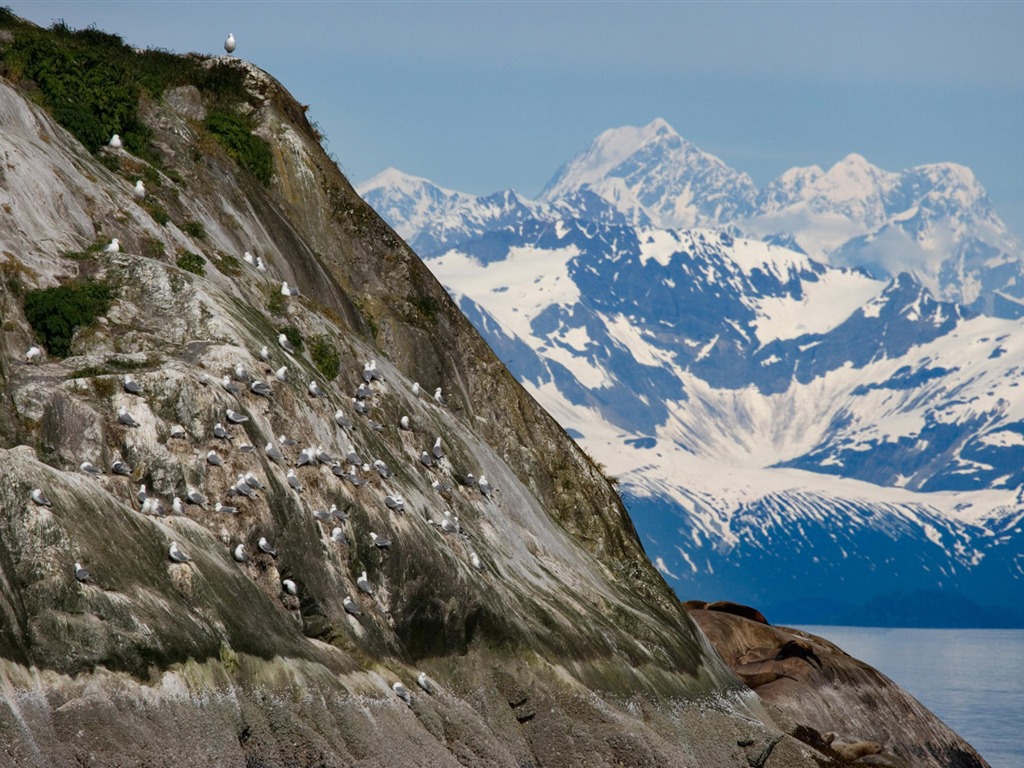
834 702
559 645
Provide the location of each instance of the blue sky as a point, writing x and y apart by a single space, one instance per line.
479 96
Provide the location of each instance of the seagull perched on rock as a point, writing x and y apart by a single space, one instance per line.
287 290
323 515
258 387
114 246
416 389
274 453
351 606
88 468
314 389
353 457
436 450
177 507
364 584
260 266
220 432
142 494
81 573
323 456
360 406
214 458
403 423
426 683
380 542
249 259
252 481
33 354
364 392
402 692
115 142
306 456
242 488
264 546
120 468
485 487
247 447
450 523
293 481
224 509
474 560
139 193
229 385
178 432
426 459
123 417
176 555
338 535
342 420
241 374
382 468
131 386
290 587
195 497
394 502
265 354
229 44
281 374
204 378
438 397
239 554
40 498
286 345
235 417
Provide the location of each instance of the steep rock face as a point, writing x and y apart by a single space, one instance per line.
564 648
540 657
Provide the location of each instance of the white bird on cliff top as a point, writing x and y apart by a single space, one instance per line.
229 44
286 345
40 498
177 507
249 259
239 554
33 354
265 354
176 555
114 246
438 397
131 386
287 290
281 374
260 266
123 417
139 193
115 142
416 389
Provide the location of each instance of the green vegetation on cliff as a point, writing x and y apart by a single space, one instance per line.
55 313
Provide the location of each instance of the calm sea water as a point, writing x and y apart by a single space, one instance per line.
973 679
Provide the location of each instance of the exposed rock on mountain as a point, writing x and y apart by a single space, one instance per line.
223 603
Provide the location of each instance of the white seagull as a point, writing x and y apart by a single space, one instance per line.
212 457
131 386
88 468
287 290
33 354
176 555
115 142
290 587
364 584
436 450
239 554
286 345
81 573
351 607
229 44
264 546
281 374
139 193
114 246
425 683
40 498
402 692
123 417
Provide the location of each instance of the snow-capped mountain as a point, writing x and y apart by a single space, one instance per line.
933 221
839 432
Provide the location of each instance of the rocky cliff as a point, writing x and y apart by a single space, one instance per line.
546 636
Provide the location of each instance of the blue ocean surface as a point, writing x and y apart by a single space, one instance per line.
973 679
